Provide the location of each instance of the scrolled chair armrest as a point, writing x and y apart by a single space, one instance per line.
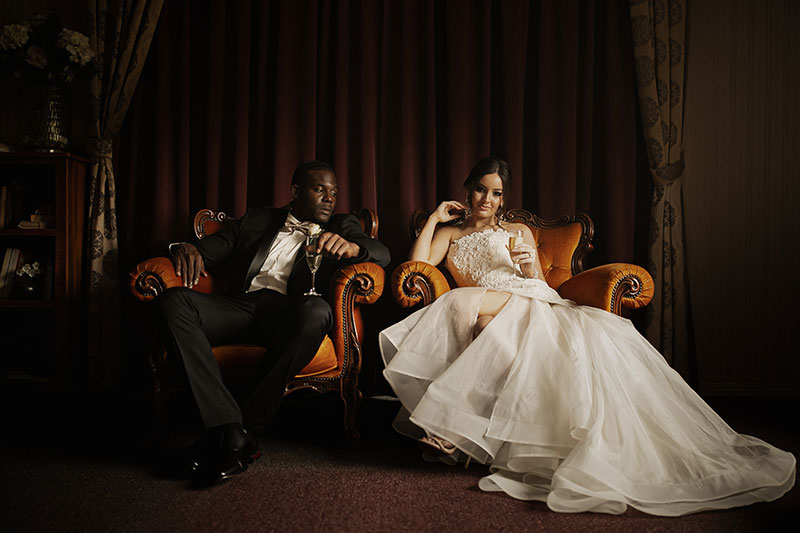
610 287
413 282
153 276
364 281
359 283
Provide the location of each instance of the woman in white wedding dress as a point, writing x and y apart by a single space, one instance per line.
568 404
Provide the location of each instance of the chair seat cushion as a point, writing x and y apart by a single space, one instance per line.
241 359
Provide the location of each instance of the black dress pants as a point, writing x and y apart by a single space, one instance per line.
291 327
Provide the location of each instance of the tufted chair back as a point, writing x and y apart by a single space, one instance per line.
563 242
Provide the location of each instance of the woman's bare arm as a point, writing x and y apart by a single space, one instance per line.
431 245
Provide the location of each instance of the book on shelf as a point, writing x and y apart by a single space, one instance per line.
29 224
37 221
3 205
4 270
10 205
9 272
3 194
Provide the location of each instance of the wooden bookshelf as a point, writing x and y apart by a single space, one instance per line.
33 303
44 337
27 232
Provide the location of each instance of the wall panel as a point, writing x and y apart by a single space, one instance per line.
742 189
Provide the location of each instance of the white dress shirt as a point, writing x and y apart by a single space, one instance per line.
277 267
274 273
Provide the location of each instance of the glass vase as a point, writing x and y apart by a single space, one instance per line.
50 119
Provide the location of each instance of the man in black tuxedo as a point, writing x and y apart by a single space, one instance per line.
264 253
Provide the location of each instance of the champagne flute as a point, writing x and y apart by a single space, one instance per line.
515 236
313 260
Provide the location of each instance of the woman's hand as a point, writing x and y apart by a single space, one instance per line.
447 211
524 255
432 243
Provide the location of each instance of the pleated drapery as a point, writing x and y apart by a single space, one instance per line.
659 30
121 32
401 97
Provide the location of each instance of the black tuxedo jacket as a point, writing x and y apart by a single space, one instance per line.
241 248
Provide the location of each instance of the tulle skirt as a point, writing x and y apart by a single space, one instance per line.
570 405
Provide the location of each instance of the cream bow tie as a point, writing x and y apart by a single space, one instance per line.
291 228
305 227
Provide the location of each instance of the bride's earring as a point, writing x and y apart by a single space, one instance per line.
468 210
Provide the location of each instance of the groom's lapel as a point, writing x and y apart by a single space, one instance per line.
268 237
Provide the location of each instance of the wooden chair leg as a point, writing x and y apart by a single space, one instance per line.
159 404
159 401
351 396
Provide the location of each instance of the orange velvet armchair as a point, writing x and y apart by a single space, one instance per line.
563 243
337 363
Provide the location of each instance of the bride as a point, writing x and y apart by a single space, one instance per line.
567 404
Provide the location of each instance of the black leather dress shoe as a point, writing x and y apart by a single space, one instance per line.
229 450
201 451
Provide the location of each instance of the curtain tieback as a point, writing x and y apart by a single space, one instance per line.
100 148
668 173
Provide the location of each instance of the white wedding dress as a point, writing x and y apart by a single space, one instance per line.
568 404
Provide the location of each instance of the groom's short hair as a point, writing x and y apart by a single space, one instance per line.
305 166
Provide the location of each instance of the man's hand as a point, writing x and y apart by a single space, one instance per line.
189 264
337 247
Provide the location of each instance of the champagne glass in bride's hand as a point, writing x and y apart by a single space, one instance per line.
514 238
313 260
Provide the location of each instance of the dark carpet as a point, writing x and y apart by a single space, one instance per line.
91 464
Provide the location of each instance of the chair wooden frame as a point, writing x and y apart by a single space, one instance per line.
352 286
611 287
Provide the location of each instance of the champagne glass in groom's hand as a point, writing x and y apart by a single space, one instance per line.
313 260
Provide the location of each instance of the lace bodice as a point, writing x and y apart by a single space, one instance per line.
481 259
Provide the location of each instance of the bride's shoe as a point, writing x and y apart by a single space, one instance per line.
437 446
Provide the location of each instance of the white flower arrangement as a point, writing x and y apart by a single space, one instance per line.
44 51
313 229
30 270
14 36
77 44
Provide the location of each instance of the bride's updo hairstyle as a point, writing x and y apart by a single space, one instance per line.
489 165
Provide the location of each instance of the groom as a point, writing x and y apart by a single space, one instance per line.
263 252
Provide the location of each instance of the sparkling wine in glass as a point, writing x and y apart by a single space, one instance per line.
514 237
313 260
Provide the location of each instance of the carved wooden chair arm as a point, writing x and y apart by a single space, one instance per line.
610 287
413 282
153 276
364 280
362 284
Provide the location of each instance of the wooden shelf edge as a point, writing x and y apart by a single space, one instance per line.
33 303
40 158
16 232
26 375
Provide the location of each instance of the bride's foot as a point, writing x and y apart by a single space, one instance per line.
437 446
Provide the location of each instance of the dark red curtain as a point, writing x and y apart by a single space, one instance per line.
401 96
